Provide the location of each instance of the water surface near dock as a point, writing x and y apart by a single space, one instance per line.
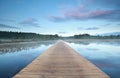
14 57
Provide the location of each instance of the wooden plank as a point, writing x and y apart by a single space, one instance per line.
61 61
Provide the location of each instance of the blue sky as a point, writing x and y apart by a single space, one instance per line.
63 17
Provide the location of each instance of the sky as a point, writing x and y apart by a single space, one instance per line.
63 17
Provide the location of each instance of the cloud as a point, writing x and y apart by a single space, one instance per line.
86 15
81 15
90 10
106 25
57 19
89 28
92 28
62 32
118 24
7 26
31 22
114 15
8 20
107 3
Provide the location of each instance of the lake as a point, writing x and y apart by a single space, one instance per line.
105 54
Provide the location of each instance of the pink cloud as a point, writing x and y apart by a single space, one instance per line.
81 14
99 12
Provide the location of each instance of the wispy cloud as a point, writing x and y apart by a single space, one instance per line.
92 28
106 25
62 32
89 28
7 26
57 18
7 20
31 22
108 3
118 24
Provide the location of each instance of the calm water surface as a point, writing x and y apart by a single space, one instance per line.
15 56
104 54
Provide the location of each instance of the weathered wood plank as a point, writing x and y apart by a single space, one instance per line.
61 61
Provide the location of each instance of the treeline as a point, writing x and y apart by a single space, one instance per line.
23 35
87 36
34 36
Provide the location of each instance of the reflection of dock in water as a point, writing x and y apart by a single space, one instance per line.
61 61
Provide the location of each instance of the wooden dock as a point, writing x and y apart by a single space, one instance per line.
61 61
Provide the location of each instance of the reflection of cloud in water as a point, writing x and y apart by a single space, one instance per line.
109 64
105 65
97 51
98 41
93 49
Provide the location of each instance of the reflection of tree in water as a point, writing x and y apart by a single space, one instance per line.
98 41
83 43
15 47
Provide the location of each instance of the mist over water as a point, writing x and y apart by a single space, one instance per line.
105 54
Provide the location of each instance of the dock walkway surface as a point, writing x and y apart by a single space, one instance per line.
61 61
